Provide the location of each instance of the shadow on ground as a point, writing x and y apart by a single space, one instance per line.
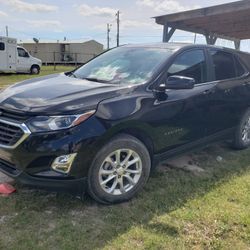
59 221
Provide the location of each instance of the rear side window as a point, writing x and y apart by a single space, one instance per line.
2 46
223 65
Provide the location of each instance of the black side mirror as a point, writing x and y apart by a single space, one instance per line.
26 54
180 82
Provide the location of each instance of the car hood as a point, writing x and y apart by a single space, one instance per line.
57 93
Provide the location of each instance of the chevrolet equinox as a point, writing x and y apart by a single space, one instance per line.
103 127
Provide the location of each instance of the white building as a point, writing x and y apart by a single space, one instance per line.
65 51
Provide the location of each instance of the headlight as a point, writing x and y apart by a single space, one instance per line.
53 123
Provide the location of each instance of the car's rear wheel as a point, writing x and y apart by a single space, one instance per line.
35 70
242 135
119 171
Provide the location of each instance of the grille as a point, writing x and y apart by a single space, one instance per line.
10 134
13 115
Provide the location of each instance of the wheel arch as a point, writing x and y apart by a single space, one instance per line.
35 65
141 136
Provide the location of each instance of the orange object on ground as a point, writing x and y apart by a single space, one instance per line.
6 189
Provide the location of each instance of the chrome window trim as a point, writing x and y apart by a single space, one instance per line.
23 127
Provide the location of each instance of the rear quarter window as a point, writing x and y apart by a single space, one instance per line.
240 70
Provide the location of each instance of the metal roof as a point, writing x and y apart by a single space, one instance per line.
230 21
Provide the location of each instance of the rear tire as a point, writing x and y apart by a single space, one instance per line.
242 135
119 170
35 70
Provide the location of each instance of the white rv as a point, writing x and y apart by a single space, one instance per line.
15 59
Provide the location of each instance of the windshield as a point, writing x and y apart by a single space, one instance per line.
124 65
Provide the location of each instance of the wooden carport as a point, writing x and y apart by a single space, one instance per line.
227 21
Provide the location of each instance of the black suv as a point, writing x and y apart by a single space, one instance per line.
103 126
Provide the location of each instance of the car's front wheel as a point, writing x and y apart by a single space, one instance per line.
119 171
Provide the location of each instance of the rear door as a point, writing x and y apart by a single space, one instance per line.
227 100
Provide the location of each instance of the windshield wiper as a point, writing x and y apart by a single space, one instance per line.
73 74
92 79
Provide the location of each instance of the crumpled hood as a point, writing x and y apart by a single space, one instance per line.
56 93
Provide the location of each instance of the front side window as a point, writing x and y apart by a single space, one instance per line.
22 53
2 46
223 65
190 64
124 65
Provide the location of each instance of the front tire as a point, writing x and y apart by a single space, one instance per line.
35 70
242 135
119 170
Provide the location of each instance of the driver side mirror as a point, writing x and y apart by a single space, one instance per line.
180 82
173 82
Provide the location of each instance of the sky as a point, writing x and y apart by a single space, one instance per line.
81 20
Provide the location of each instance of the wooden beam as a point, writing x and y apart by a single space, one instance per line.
205 12
222 19
167 33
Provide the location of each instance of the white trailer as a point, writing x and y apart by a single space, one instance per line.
15 59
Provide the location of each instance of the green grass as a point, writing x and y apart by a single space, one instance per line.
176 210
7 79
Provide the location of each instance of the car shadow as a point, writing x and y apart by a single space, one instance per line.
168 189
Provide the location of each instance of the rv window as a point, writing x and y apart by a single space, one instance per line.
2 46
22 52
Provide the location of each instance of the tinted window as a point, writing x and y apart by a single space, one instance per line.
223 64
2 46
190 64
239 68
22 52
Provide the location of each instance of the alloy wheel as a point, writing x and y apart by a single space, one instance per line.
120 171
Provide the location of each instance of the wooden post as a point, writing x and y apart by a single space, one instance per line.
211 39
237 44
54 55
75 59
167 33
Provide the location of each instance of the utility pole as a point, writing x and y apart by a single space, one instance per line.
118 28
195 38
7 31
108 32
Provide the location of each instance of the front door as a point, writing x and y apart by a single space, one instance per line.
23 62
180 119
